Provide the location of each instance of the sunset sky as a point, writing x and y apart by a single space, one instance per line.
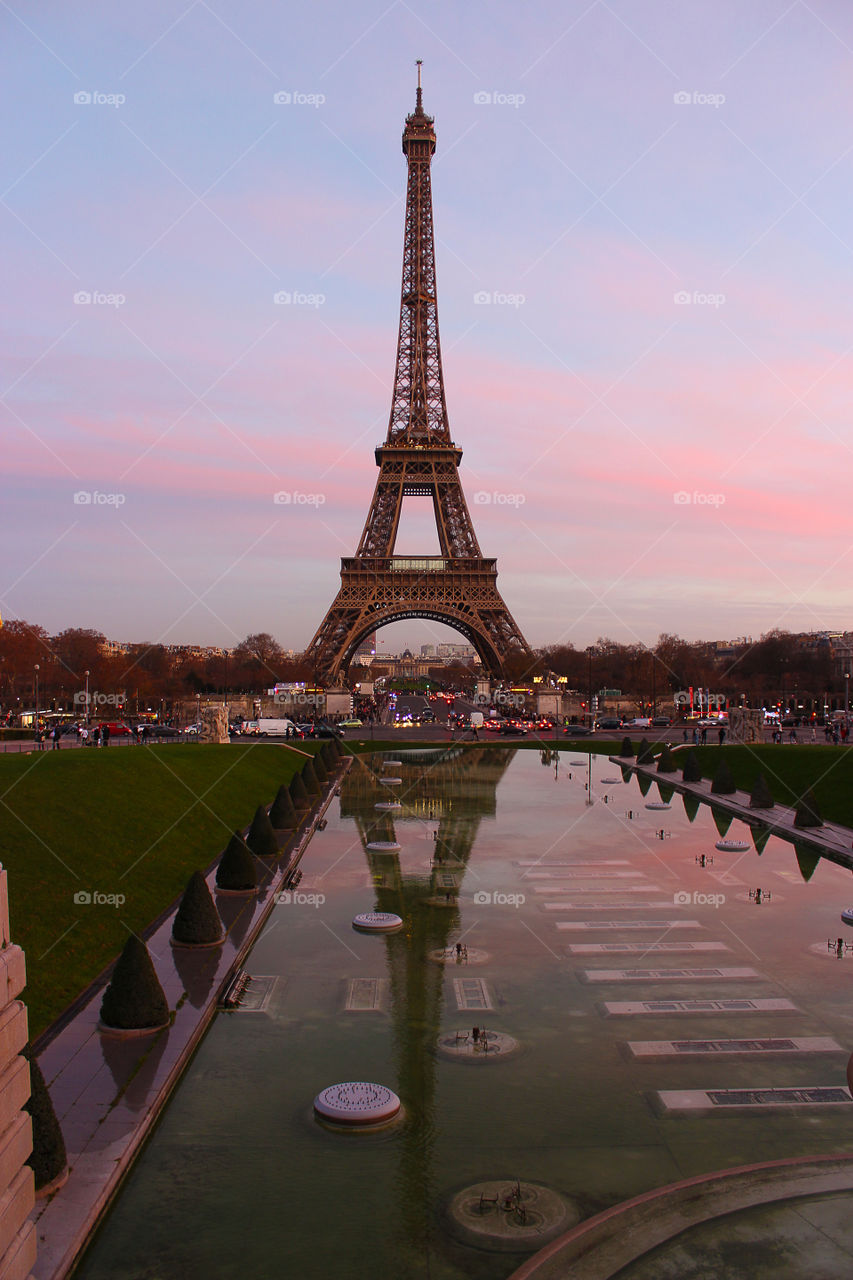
654 402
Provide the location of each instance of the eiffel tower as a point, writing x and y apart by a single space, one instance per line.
458 587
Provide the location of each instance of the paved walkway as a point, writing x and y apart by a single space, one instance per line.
108 1092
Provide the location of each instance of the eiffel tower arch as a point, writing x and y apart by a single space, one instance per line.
419 458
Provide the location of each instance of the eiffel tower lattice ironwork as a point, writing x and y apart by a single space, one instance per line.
419 457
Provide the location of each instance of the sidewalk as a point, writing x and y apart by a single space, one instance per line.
108 1092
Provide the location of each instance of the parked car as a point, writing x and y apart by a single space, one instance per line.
147 732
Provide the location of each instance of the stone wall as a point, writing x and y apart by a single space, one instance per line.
17 1189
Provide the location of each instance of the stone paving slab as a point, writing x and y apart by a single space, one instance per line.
108 1091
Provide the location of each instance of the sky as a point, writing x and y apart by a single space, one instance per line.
645 266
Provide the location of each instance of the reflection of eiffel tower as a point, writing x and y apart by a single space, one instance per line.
418 458
458 786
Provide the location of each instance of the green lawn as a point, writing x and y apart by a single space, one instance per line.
132 821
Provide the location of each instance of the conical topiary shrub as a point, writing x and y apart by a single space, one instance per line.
261 838
691 771
692 805
320 769
644 782
760 836
807 859
282 813
134 1000
644 752
722 820
48 1159
236 871
762 796
298 794
309 777
626 751
808 814
197 923
666 764
724 783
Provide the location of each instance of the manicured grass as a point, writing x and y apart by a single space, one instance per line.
134 821
790 770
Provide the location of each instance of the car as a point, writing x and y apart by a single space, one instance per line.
118 729
509 727
639 722
661 722
610 722
577 730
328 731
428 717
350 724
147 732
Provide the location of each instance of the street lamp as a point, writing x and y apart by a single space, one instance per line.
36 670
86 674
846 697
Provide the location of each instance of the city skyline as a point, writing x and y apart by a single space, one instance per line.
643 272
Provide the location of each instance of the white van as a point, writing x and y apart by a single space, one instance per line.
272 728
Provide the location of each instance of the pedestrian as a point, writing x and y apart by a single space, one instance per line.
55 736
704 737
96 736
105 735
84 736
721 734
684 734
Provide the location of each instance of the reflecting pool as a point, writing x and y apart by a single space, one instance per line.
650 1019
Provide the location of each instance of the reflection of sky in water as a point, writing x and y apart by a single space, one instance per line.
501 850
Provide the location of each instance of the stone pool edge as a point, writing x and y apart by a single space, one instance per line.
73 1214
606 1243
